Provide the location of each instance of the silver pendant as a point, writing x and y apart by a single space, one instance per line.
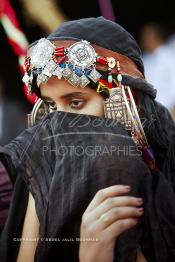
58 72
94 75
84 81
67 73
115 108
42 79
74 80
51 66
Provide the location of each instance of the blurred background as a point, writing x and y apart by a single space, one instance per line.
152 23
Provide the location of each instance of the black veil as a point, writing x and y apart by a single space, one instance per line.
63 182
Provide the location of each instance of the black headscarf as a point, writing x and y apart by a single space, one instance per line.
102 32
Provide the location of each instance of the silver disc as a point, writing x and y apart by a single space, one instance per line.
81 54
41 53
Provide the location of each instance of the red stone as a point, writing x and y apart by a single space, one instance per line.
59 54
102 60
27 63
61 60
59 49
27 67
110 85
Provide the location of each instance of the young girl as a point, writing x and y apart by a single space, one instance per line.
83 174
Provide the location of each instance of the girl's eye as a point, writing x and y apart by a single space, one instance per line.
77 103
51 105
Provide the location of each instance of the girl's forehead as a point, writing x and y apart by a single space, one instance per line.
61 87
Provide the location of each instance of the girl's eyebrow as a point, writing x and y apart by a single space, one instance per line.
69 95
73 94
46 98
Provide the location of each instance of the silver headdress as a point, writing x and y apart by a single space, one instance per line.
76 63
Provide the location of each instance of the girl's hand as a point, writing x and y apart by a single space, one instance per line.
110 213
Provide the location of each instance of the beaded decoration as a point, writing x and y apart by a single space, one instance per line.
77 64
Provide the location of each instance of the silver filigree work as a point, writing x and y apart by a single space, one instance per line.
115 108
94 75
74 80
41 53
67 73
42 79
82 54
58 72
80 59
84 81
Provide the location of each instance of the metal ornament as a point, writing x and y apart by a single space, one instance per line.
94 75
121 106
67 72
51 66
41 53
111 62
84 81
38 112
115 108
82 54
77 64
58 72
74 80
42 79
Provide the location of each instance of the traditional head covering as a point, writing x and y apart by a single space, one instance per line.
107 38
99 53
101 32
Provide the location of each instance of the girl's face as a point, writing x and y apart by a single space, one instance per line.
62 96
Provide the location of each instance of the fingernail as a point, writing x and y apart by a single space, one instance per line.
141 210
136 220
128 188
140 200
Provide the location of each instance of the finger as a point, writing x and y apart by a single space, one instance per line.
105 193
112 216
114 202
120 226
120 213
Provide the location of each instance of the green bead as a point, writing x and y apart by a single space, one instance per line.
119 77
110 78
